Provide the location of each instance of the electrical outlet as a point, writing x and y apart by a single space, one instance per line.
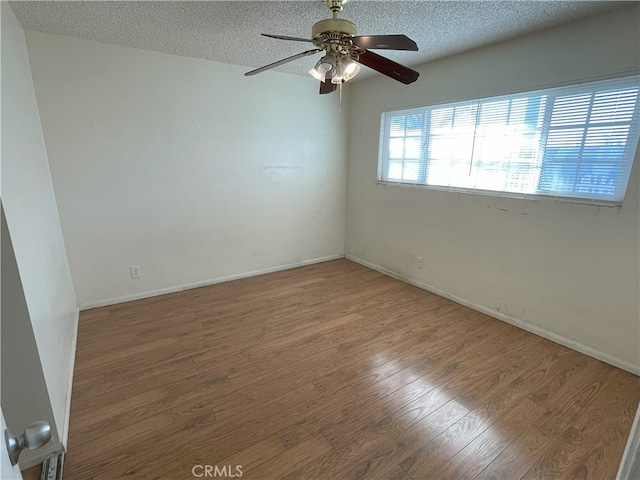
419 262
135 271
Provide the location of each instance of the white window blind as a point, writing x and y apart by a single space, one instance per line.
575 142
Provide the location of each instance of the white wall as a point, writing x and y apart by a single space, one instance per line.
570 270
32 218
184 166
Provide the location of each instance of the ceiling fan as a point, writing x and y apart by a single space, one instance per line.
344 50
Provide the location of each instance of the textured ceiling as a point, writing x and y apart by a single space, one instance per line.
229 32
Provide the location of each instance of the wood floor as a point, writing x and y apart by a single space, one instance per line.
334 371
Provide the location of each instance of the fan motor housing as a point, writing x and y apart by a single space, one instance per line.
334 25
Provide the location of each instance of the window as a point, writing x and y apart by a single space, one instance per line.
569 143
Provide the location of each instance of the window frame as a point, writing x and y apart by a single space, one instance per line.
550 94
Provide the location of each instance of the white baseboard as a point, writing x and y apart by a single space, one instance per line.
554 337
631 451
204 283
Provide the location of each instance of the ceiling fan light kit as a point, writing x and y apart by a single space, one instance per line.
344 50
325 68
346 70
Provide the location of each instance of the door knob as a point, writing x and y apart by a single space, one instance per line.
35 436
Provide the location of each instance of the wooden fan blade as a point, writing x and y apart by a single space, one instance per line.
283 61
386 42
327 87
284 37
388 67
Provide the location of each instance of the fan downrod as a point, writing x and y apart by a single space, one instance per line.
334 6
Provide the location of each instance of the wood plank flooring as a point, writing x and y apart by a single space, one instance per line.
334 371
